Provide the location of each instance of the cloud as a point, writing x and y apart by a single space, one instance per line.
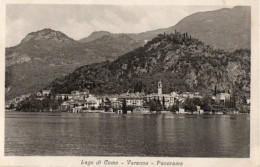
78 21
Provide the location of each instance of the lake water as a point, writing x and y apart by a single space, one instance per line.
94 134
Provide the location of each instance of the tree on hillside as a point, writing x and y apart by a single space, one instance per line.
206 103
197 101
124 109
163 101
189 105
154 105
138 86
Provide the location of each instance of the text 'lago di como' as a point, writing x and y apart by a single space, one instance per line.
130 163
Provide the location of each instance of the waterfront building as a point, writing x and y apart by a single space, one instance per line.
181 111
141 110
92 102
77 109
117 104
100 101
132 99
77 101
67 106
106 100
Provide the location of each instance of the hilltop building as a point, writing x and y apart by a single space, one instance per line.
43 93
46 92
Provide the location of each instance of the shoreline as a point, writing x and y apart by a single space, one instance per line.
150 113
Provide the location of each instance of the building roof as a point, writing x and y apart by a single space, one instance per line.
158 95
223 94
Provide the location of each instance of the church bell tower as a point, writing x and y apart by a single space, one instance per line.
160 87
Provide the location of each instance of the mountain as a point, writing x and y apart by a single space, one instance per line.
37 45
227 29
182 62
45 55
111 47
47 36
95 35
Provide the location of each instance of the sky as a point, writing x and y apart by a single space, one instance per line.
79 21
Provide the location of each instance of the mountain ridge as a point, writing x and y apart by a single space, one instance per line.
46 34
227 19
47 54
36 61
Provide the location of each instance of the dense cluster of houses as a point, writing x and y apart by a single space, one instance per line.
78 101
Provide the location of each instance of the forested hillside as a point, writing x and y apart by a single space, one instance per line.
182 62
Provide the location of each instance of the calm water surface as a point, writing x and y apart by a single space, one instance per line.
89 134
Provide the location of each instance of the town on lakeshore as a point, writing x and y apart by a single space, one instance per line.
80 101
153 84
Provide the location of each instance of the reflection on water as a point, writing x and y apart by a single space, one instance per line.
93 134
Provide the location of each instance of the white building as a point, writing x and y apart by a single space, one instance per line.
92 102
132 99
75 95
222 97
169 99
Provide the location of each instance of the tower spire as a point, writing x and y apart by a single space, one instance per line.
160 87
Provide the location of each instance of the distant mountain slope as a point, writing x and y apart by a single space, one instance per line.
111 47
95 35
180 61
45 55
227 29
